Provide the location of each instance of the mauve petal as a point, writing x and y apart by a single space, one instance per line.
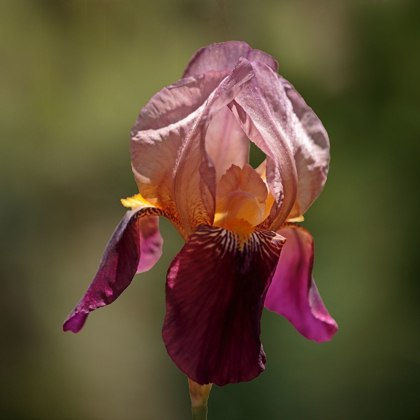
150 243
266 115
176 102
311 151
224 56
226 142
123 257
293 292
195 177
157 135
215 294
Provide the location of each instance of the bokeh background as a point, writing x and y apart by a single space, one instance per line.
73 77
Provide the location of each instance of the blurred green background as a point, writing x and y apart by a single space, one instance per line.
74 75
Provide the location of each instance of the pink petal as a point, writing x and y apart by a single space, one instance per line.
150 243
266 115
215 294
157 135
311 151
293 292
224 56
168 147
195 178
226 142
135 246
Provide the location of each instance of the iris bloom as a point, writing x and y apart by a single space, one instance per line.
243 249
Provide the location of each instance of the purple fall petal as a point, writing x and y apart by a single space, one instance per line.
293 292
214 299
135 246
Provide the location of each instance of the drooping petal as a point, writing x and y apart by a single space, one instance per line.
150 243
195 176
226 142
224 56
215 294
157 135
293 292
311 151
266 115
135 246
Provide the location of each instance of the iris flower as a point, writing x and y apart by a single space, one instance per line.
243 248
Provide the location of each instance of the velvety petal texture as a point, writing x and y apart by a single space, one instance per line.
293 292
215 294
135 246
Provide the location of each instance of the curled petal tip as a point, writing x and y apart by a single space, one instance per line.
135 246
75 323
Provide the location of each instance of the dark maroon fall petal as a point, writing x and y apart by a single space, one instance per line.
135 246
293 292
215 295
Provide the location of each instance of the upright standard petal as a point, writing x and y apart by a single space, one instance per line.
195 175
135 246
226 142
215 294
224 56
159 131
293 292
311 151
266 115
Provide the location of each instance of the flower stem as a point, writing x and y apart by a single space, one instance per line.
199 413
199 395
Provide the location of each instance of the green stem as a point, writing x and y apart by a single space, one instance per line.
199 395
199 413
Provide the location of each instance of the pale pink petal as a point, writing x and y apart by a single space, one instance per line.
293 292
311 151
195 177
266 115
157 135
135 246
226 142
215 294
224 56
